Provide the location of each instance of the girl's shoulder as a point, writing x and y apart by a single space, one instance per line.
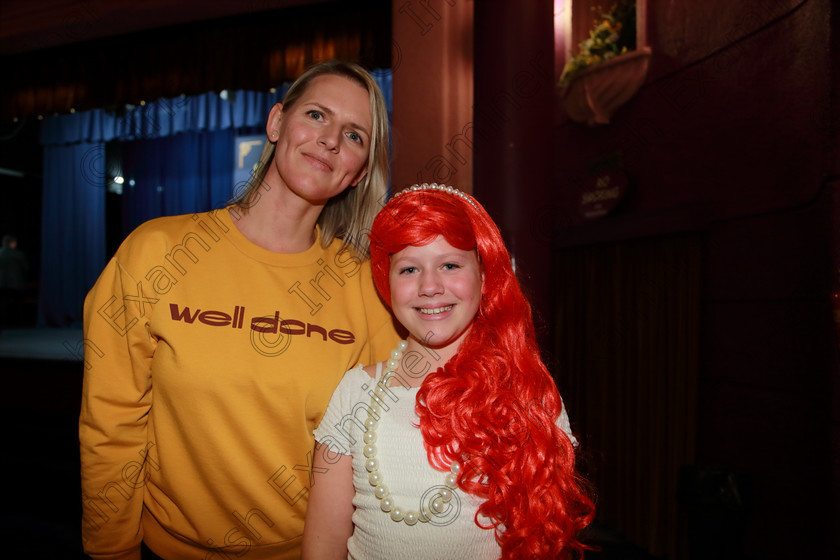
371 370
356 381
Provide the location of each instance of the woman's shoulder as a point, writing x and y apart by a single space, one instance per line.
346 255
166 226
166 232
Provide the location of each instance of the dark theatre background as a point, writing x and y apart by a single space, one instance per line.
683 257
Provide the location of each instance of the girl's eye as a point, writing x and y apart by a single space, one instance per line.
407 270
451 266
355 137
315 115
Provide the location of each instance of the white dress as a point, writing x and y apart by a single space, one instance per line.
405 469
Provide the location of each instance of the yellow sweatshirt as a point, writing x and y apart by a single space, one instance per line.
208 363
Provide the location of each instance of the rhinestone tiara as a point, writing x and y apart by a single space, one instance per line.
441 188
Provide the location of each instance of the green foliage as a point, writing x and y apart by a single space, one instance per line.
613 34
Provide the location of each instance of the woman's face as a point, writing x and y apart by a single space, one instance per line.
323 140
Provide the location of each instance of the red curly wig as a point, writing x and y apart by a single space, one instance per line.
494 405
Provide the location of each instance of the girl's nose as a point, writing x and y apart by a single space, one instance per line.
430 284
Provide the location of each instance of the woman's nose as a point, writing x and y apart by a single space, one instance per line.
330 138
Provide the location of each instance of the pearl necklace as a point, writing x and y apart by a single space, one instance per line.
386 502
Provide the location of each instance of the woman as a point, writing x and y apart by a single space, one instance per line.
214 341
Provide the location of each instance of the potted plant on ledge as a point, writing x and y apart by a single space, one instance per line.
607 70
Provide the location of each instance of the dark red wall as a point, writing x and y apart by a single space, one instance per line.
734 135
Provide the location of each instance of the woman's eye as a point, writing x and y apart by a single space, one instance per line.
355 137
407 270
315 115
451 266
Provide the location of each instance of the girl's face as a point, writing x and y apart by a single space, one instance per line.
435 293
323 140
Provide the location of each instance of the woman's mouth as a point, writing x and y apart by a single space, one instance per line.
318 162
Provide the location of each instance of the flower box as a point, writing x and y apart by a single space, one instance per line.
595 93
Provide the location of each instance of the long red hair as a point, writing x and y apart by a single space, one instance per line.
494 405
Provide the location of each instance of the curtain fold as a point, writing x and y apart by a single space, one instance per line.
267 44
626 356
162 118
72 232
176 175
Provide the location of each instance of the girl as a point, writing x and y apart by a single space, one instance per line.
459 445
214 341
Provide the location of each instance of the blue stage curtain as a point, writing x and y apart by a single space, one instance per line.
179 174
180 154
72 230
165 117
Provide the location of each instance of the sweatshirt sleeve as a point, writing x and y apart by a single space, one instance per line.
339 426
116 396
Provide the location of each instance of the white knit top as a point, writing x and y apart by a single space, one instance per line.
405 468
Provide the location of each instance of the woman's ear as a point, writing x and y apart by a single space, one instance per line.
358 179
272 125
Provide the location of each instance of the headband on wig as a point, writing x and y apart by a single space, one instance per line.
439 188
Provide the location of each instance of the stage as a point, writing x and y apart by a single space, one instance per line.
42 344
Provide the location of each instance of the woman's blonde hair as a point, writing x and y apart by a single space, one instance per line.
349 215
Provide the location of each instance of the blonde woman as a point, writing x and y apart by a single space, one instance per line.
214 341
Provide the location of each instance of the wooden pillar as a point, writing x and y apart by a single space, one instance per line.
513 116
432 93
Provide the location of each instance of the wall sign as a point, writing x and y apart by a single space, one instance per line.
602 193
